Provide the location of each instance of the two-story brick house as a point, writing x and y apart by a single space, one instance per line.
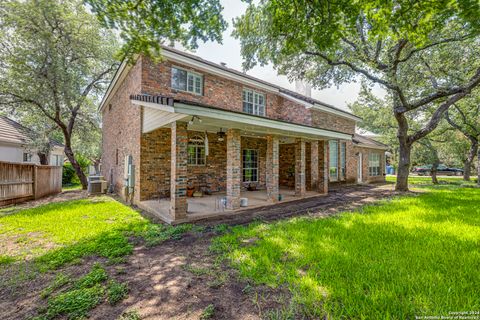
186 124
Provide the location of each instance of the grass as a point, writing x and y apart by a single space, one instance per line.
72 186
208 312
64 232
411 256
116 292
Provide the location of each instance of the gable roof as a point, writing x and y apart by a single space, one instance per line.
13 132
189 59
368 142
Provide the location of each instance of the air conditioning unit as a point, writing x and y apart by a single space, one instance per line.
96 185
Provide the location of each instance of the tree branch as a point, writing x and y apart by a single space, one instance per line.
474 81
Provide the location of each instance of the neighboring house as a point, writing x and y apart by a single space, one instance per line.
189 124
14 145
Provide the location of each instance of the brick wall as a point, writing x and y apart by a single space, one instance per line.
156 157
227 94
366 178
121 132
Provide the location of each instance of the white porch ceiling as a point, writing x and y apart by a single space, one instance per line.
213 120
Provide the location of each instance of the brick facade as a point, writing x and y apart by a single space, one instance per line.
366 178
227 94
178 170
302 165
121 133
272 156
233 168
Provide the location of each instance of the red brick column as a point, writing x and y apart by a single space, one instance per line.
323 166
300 188
272 167
233 168
178 174
314 165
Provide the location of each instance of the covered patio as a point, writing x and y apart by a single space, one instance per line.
213 205
222 165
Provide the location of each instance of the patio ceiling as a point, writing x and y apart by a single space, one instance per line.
160 113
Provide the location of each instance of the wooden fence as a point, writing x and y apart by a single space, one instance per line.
21 182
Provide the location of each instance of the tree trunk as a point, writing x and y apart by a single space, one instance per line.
404 153
478 168
434 172
76 165
467 165
43 158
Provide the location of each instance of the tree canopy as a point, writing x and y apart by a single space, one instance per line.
424 53
145 24
56 61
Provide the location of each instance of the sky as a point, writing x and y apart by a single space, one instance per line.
229 53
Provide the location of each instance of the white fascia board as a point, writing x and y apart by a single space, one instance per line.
263 122
154 105
116 81
217 71
336 112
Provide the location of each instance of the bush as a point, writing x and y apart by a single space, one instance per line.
69 176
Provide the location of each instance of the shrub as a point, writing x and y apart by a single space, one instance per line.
68 175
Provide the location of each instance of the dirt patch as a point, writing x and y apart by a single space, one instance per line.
180 279
342 198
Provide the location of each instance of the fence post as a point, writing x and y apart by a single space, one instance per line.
35 182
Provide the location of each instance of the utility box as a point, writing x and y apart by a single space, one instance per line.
129 176
97 185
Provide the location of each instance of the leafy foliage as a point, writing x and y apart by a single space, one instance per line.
56 60
144 25
423 53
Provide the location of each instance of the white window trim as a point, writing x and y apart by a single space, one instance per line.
196 164
336 177
343 161
370 160
253 102
189 72
257 167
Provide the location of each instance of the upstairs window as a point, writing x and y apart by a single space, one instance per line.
253 102
187 81
373 164
196 151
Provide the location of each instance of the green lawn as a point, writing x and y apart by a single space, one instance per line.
57 233
416 255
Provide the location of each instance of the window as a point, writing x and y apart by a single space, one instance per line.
253 102
373 164
333 160
343 160
57 160
250 165
196 151
186 81
27 157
